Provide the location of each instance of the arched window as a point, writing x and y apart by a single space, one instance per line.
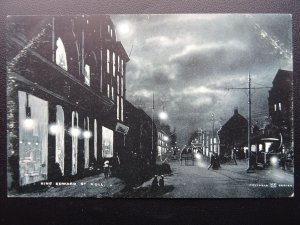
87 74
61 57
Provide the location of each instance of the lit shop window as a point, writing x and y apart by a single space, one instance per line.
61 57
59 131
74 132
33 138
118 107
275 107
95 139
107 142
107 61
108 90
87 74
122 118
114 64
86 135
279 106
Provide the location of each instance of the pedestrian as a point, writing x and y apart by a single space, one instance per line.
234 155
212 160
161 182
283 161
106 168
154 184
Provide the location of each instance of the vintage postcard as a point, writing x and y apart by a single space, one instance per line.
150 106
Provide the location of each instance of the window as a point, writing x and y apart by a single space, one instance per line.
86 136
108 29
279 106
118 84
112 93
107 142
118 108
118 63
61 56
108 90
75 132
122 118
275 107
95 138
33 139
108 61
59 138
114 64
121 67
87 74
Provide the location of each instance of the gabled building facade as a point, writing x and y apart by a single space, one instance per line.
233 134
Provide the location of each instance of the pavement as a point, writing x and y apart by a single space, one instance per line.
230 181
94 186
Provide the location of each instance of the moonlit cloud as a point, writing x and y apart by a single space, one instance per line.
189 62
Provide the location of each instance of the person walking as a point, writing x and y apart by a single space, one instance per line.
234 155
154 184
106 169
161 182
212 160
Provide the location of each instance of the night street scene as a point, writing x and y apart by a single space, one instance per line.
150 106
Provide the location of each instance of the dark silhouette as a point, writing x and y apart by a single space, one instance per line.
234 155
161 182
106 169
212 160
154 184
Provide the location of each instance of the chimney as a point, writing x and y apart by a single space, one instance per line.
236 111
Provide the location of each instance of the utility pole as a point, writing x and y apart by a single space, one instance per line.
213 128
152 121
250 169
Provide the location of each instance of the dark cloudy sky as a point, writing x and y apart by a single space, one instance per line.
190 60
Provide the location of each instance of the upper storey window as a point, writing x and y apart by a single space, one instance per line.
107 61
61 56
114 64
87 74
121 67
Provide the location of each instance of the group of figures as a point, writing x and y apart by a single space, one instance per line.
157 184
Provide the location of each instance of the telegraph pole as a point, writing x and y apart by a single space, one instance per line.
152 121
213 128
250 167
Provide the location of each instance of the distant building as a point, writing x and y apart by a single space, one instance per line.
163 140
233 134
139 139
281 105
